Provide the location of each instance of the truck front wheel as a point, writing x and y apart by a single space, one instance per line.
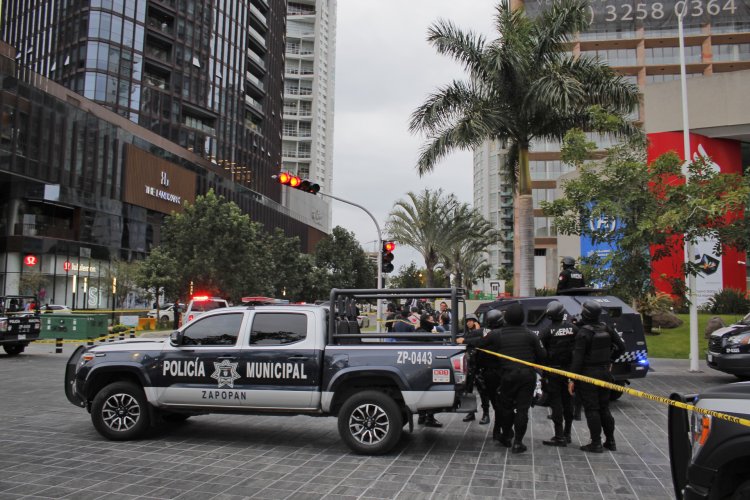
120 411
14 349
370 423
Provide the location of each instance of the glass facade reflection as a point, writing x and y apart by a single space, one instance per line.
63 164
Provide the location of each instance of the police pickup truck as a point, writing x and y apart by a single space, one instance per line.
20 322
729 349
710 457
277 359
625 321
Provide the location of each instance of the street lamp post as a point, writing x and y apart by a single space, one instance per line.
692 292
379 313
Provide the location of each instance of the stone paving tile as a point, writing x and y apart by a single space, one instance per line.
49 449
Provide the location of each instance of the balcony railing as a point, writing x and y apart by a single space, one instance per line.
294 91
162 26
253 103
156 53
254 10
256 81
257 36
255 57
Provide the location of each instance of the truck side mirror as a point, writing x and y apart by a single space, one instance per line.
175 338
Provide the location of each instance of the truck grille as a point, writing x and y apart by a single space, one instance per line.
715 344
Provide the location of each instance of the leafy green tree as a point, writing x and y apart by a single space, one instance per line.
344 261
422 221
290 266
524 85
315 281
126 274
409 276
219 249
648 210
158 272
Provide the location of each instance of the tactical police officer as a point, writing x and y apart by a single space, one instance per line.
517 381
570 277
558 339
477 363
596 346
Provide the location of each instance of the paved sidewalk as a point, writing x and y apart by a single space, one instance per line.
49 449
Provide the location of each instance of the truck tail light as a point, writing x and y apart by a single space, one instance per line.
458 363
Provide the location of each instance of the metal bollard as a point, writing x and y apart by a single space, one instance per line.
132 333
58 346
122 336
89 342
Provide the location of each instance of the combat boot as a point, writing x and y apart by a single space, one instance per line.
485 419
593 448
556 441
610 445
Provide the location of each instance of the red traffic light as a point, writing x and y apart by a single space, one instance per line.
389 246
292 180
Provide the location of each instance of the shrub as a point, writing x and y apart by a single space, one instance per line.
120 328
728 301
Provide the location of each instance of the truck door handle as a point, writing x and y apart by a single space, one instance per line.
298 358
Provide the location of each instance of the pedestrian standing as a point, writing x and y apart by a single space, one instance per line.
596 346
445 311
176 309
517 381
558 339
427 325
476 377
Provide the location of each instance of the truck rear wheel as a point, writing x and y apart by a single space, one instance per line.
370 423
120 411
14 349
743 492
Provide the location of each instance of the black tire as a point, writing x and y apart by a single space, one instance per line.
742 492
120 411
14 349
370 423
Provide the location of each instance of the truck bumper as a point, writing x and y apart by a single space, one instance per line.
71 387
734 364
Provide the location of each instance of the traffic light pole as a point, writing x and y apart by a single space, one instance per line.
380 261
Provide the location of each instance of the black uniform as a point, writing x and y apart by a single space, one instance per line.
559 339
596 346
479 361
517 382
570 277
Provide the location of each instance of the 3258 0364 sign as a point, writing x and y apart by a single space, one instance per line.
619 15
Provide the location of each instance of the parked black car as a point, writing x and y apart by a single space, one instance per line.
710 457
729 349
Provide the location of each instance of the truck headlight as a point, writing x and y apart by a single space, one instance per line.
701 429
737 340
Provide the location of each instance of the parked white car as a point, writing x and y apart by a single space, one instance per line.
165 314
55 309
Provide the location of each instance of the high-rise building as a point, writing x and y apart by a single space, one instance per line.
307 147
640 40
206 75
114 112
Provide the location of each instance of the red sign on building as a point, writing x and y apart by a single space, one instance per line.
720 271
67 266
30 260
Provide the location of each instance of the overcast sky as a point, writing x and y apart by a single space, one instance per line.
385 69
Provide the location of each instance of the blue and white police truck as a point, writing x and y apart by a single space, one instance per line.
277 359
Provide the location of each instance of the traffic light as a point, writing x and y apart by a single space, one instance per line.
387 256
287 179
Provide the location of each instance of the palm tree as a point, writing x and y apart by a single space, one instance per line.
422 222
469 236
524 85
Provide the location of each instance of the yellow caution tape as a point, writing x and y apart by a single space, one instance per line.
103 338
627 390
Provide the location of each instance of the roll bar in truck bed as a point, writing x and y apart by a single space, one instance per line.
342 311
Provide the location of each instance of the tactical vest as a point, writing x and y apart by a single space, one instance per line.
598 346
561 342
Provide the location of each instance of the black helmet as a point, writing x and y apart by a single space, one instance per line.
590 311
555 311
493 318
568 261
514 314
472 317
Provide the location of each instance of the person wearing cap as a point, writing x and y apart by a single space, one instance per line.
570 277
476 370
517 381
